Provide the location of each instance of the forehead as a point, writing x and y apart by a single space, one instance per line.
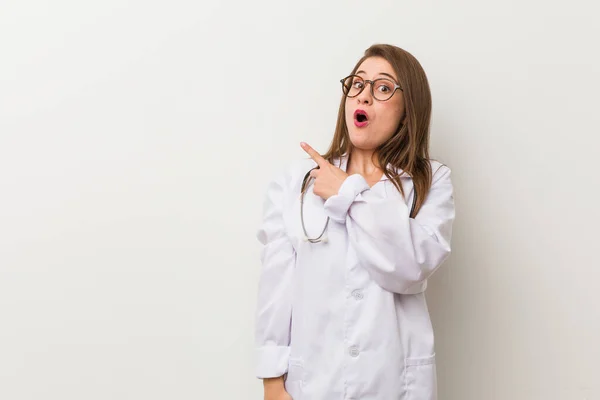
373 66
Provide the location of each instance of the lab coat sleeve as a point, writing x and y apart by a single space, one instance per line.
400 253
274 307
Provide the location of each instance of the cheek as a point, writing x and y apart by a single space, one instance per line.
389 117
348 113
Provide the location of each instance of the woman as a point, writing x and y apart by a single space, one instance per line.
341 310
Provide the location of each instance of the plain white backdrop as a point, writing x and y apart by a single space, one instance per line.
137 137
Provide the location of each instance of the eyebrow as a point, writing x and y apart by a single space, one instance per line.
381 73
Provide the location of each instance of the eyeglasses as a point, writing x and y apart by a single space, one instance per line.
382 89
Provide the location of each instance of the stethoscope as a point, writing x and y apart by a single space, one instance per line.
322 237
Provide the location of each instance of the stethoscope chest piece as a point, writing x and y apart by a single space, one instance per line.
323 239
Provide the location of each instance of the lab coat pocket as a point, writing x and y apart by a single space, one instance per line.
295 378
420 380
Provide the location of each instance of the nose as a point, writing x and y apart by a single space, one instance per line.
365 96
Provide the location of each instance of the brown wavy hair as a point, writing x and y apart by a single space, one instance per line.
408 148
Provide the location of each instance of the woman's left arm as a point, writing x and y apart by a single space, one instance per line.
400 253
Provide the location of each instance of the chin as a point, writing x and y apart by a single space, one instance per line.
361 142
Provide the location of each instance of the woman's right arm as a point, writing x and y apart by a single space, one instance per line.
274 302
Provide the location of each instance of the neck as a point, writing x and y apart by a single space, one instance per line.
363 162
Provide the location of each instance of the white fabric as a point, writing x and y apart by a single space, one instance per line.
347 319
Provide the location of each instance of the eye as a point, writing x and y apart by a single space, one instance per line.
383 88
357 84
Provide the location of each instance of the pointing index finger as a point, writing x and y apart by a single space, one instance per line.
314 155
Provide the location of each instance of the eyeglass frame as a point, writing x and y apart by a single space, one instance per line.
396 86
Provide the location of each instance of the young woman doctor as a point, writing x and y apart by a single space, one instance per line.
349 240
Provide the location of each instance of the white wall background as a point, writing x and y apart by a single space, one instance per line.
137 137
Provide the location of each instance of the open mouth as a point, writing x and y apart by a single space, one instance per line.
360 118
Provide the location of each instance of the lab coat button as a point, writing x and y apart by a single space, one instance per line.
353 350
357 294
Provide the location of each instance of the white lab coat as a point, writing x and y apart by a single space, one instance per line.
347 319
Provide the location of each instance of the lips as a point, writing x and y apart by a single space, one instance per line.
361 118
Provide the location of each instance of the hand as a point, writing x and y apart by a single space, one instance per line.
328 178
275 389
281 395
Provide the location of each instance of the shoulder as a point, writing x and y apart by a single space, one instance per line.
298 168
290 175
439 172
